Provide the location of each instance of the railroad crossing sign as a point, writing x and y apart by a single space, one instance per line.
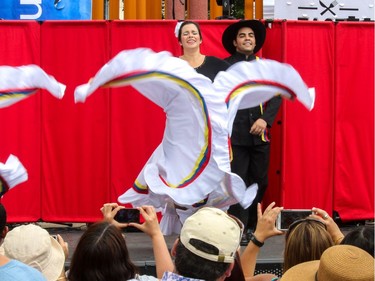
325 9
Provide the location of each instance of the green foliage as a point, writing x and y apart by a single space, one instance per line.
237 9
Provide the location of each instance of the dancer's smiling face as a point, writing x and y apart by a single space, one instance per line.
245 41
190 36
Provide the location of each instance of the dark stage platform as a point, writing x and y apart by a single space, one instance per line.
269 259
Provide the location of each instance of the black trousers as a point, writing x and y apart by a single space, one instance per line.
251 164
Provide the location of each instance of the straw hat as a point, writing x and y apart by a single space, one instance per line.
230 34
33 246
340 262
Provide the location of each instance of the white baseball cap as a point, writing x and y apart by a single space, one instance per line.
214 227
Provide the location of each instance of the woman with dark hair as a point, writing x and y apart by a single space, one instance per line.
190 38
101 253
362 237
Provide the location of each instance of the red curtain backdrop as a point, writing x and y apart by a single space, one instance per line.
137 124
20 123
307 177
211 37
272 49
354 121
76 137
81 155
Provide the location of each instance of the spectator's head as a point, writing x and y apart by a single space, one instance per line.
3 221
4 187
207 246
340 262
244 36
33 246
101 254
237 272
305 240
362 237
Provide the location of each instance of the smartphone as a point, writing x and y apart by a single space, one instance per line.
287 216
127 215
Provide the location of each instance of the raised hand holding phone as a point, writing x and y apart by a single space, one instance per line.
109 211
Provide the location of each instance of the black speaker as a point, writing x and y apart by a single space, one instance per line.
226 8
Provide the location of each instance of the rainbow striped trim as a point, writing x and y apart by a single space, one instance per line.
140 188
6 95
205 153
239 89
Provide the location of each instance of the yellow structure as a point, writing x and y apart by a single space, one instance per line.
152 9
253 9
114 9
97 9
215 10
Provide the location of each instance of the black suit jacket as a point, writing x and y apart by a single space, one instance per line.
245 118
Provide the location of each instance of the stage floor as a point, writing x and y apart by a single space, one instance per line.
139 244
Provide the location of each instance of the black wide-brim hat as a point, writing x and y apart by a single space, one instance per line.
231 31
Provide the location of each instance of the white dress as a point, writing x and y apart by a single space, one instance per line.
16 84
191 166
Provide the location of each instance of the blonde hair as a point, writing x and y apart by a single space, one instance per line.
305 241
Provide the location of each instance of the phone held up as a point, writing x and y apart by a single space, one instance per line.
128 215
287 216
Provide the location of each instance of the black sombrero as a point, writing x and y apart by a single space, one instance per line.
230 34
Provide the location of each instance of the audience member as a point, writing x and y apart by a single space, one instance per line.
3 221
206 249
102 254
305 240
361 237
190 38
332 227
207 246
339 262
265 228
33 246
10 269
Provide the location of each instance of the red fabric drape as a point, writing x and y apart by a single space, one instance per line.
307 177
270 50
81 155
20 123
354 142
75 156
137 124
211 34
